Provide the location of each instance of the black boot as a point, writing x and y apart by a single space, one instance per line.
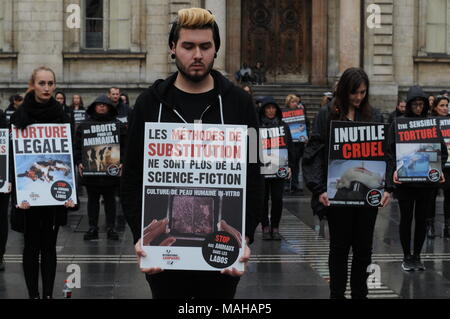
430 228
447 228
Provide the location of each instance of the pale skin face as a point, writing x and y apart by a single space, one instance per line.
417 106
60 98
76 100
293 104
357 97
270 111
194 53
114 95
101 108
442 108
402 107
44 86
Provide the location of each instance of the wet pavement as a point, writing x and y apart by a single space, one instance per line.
294 268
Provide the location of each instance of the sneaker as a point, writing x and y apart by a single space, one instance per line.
91 234
112 234
408 263
267 235
276 235
418 264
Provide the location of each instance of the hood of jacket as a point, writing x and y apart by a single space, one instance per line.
160 88
112 111
269 100
414 93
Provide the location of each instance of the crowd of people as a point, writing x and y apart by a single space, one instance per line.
198 93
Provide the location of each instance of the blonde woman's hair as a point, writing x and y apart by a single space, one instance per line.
194 18
34 75
290 98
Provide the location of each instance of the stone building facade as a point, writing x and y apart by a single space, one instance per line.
309 42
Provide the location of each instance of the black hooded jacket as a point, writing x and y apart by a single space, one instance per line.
408 191
277 121
152 106
93 117
315 157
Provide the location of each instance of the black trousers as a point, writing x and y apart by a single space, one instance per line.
176 284
40 236
4 205
432 211
350 227
109 195
297 150
416 209
274 191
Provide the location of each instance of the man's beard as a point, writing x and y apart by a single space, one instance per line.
193 78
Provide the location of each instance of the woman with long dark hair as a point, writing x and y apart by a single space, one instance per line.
440 109
350 227
39 224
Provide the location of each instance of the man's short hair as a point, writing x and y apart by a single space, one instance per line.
194 18
113 88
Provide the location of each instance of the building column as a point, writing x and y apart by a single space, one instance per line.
219 9
319 42
349 34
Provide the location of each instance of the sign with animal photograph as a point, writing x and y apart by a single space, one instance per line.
43 163
444 125
194 188
357 163
418 150
296 120
275 155
101 149
4 160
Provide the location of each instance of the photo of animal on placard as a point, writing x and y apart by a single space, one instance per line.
101 158
42 170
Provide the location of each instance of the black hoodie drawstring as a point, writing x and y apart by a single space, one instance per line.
182 118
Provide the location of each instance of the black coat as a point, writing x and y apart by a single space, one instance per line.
238 108
22 118
315 157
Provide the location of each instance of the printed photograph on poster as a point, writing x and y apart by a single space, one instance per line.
4 160
418 160
44 174
38 174
444 125
194 190
296 120
275 163
192 214
299 132
101 149
355 180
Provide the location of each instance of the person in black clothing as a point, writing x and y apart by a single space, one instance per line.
15 102
270 116
440 109
194 93
100 111
123 110
349 226
77 103
39 224
399 111
4 205
414 199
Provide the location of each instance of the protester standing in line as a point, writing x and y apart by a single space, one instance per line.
4 205
399 111
101 111
270 116
298 146
440 109
349 226
77 102
414 199
40 225
196 92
